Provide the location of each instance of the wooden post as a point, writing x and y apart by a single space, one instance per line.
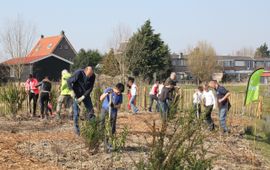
145 102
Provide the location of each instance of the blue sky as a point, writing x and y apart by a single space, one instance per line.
228 25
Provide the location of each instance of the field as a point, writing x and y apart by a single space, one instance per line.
36 144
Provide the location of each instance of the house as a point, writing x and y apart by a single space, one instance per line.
180 66
234 68
48 58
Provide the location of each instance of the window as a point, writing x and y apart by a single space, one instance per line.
49 46
259 64
12 72
66 47
240 63
174 63
227 63
60 47
267 64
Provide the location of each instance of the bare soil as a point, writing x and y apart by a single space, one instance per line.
35 144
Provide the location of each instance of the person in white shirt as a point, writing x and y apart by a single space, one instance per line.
133 91
197 100
209 101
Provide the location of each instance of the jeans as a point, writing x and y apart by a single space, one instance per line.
152 98
76 110
44 100
222 116
112 121
164 109
133 107
67 100
35 99
208 118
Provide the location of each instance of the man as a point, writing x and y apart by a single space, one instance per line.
82 83
33 92
114 105
133 92
65 95
171 79
164 98
172 82
153 95
223 103
46 87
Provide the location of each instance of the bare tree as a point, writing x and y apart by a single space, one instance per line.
17 39
245 52
202 61
118 43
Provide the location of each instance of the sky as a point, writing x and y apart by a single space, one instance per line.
228 25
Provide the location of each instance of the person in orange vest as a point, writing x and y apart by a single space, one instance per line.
32 91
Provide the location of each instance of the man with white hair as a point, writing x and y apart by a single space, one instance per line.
65 95
172 82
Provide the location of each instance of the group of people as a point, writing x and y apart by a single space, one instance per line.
76 88
162 93
204 96
32 87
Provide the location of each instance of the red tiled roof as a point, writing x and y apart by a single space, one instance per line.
45 46
22 60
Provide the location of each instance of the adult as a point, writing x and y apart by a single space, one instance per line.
153 95
33 92
45 92
65 95
223 103
82 83
172 82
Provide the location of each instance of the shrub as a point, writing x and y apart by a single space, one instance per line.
267 135
249 130
90 131
53 96
13 97
177 145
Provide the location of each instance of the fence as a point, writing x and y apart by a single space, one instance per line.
186 98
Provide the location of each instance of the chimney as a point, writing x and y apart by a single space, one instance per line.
42 36
62 32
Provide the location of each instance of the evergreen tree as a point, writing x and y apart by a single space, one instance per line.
262 51
147 53
86 58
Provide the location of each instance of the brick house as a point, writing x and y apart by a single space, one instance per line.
234 68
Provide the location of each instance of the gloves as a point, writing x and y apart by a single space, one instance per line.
79 100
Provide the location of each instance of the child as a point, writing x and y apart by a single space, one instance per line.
133 92
114 105
209 101
164 97
46 87
153 95
197 99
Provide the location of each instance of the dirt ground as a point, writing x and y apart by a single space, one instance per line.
35 144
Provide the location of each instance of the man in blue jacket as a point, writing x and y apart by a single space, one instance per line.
82 83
